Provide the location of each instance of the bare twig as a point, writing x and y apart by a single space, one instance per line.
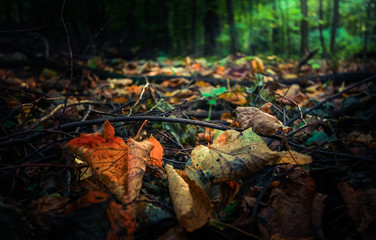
372 78
55 110
70 55
112 119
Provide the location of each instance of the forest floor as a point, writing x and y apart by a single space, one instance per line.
242 147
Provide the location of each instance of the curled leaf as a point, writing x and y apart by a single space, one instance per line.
119 165
191 204
261 122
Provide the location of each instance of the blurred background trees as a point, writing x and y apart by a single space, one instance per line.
156 28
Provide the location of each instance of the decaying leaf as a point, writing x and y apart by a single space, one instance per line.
292 96
191 204
118 164
122 222
292 157
94 215
360 205
261 122
295 209
233 155
235 97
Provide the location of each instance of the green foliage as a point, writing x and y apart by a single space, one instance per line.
212 97
152 28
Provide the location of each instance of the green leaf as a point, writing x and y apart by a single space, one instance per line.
212 101
219 91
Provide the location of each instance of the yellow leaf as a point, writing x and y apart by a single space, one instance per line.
233 155
292 157
191 204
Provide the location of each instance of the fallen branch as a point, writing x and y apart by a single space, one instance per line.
23 140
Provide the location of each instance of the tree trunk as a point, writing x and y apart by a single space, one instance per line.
366 32
230 21
333 30
275 30
322 40
288 30
211 26
304 28
193 27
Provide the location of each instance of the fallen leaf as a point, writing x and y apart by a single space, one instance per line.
93 215
261 122
174 83
233 155
123 224
292 157
156 153
237 98
292 96
295 210
360 205
120 166
191 204
257 65
266 107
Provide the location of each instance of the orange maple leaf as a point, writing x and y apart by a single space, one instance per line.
156 154
119 165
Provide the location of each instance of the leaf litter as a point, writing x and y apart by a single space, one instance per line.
276 173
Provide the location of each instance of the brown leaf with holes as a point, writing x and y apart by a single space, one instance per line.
262 123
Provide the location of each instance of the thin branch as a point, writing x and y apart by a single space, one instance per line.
70 56
113 119
372 78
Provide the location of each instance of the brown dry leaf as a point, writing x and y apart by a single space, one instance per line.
237 98
136 90
295 209
174 83
90 198
122 222
41 207
120 99
292 95
292 158
191 204
119 82
120 166
202 84
49 212
266 107
262 123
361 205
257 65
